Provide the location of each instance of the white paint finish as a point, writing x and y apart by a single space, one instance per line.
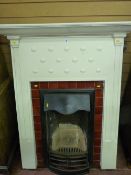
110 129
108 160
58 62
24 115
88 58
104 67
42 60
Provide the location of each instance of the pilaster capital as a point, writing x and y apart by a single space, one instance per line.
14 41
119 38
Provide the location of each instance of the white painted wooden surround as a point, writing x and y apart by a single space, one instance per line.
67 52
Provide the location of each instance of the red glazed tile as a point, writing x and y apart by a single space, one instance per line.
39 142
41 163
99 93
39 156
36 102
97 142
43 85
36 111
98 126
90 84
97 149
66 85
38 135
98 121
96 164
96 156
39 148
37 119
98 117
34 85
98 110
53 85
72 85
63 85
38 127
98 129
99 101
97 134
81 84
35 93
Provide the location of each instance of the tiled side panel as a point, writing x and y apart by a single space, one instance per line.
98 86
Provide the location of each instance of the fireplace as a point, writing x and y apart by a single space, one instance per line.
68 116
78 56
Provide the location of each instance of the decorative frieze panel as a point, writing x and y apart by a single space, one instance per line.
67 57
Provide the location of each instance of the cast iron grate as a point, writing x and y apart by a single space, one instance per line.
69 164
69 150
68 118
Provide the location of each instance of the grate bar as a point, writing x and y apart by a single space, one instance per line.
69 150
65 171
71 166
60 160
68 164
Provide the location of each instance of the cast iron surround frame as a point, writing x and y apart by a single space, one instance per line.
91 118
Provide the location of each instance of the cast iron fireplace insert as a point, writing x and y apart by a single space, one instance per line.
67 126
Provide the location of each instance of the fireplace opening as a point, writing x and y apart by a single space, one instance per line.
67 123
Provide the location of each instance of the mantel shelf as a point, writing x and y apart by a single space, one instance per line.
61 29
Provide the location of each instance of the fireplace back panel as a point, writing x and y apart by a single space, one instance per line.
94 85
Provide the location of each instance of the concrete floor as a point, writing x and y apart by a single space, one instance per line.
92 172
121 168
